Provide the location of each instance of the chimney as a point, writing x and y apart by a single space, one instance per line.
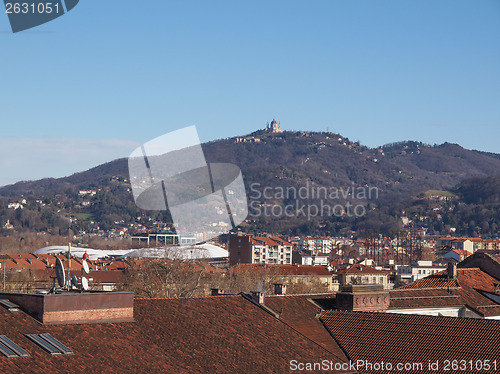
452 270
217 292
363 298
76 308
258 297
279 289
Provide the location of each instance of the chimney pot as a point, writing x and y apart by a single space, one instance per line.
258 297
452 270
279 289
217 292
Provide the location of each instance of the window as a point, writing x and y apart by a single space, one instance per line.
50 344
10 306
11 349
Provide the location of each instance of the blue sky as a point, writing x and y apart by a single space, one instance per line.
89 86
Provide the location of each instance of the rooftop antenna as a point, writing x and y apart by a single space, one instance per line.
60 276
69 248
74 281
85 268
85 284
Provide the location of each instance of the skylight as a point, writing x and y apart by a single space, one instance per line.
50 344
10 306
11 349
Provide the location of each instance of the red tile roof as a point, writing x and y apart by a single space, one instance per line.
302 312
403 338
225 334
269 240
468 289
285 269
424 298
438 280
360 269
106 276
47 261
305 270
461 252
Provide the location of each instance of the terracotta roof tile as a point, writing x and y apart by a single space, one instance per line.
403 338
360 269
302 313
438 290
226 334
285 269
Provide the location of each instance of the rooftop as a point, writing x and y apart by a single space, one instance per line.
400 338
285 269
302 314
360 269
225 334
469 288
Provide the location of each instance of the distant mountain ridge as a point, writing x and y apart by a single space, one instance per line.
293 159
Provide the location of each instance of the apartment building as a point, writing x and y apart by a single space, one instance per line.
247 249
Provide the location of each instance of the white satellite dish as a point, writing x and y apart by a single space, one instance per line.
74 281
61 277
85 266
85 283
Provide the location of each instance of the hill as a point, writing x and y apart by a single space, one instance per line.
290 160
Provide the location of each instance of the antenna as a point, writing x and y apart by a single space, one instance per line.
61 278
85 266
69 247
74 281
85 284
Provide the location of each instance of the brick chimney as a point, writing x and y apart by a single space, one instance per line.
452 270
258 297
363 298
279 289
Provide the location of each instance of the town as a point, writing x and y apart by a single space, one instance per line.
319 294
319 298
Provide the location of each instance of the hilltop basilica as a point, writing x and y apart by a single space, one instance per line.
273 127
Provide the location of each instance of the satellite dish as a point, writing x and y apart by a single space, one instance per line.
61 278
85 266
85 283
74 281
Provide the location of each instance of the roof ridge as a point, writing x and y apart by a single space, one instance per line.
186 297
